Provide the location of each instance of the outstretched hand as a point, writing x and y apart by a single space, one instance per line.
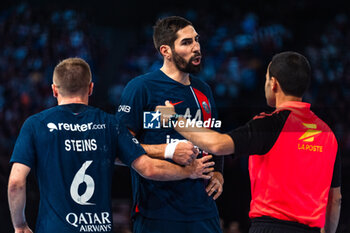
201 168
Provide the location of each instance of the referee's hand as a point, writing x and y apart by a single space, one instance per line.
215 185
166 110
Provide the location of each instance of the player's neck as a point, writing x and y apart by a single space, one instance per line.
73 100
172 72
281 99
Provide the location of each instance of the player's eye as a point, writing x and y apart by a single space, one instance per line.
186 42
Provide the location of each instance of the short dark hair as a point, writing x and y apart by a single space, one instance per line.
293 72
72 76
164 31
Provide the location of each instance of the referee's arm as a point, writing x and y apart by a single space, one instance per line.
334 199
333 211
206 139
209 140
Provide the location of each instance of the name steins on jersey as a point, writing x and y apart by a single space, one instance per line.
76 144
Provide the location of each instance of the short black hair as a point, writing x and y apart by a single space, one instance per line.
293 72
164 31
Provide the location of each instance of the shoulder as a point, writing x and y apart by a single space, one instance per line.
272 120
41 116
141 80
280 114
102 115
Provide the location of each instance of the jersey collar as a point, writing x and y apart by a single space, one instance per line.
295 104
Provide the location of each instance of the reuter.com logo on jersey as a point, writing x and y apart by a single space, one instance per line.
75 127
309 136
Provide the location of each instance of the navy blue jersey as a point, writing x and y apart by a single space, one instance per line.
72 148
184 200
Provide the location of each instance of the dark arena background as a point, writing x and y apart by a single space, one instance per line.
238 39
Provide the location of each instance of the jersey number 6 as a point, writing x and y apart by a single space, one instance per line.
79 178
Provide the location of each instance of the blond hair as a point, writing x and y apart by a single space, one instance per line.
72 76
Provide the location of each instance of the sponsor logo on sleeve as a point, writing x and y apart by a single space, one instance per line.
124 108
135 140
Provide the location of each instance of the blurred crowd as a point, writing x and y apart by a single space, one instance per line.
235 56
32 42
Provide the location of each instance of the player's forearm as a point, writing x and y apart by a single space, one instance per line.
159 170
17 201
333 210
206 139
162 170
155 151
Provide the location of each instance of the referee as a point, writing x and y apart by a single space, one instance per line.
294 167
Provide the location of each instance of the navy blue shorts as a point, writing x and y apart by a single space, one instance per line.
147 225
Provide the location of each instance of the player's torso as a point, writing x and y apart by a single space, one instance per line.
184 200
74 168
192 101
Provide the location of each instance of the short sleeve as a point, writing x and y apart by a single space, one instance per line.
259 135
336 180
128 148
130 109
24 151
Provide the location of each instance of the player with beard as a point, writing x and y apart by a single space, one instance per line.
176 206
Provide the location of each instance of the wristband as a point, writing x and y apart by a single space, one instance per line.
170 149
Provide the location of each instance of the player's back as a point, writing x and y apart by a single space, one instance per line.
72 153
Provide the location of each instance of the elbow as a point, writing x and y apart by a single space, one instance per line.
335 197
337 200
222 146
145 167
148 171
15 185
215 149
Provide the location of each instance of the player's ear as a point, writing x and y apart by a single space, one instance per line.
165 50
91 88
54 90
274 84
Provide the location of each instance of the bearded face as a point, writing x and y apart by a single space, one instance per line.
192 66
